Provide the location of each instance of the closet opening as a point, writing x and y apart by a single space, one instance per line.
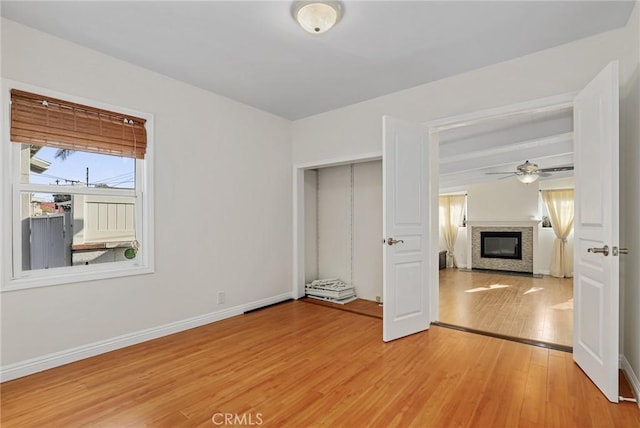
343 237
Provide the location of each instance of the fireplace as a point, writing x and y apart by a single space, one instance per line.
527 232
501 245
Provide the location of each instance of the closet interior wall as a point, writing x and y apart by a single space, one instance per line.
343 226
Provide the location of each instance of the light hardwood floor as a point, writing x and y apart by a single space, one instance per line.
303 365
531 308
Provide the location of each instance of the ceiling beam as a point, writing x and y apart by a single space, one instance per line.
507 155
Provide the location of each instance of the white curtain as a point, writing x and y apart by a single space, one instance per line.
560 206
451 211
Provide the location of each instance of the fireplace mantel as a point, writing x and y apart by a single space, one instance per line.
498 223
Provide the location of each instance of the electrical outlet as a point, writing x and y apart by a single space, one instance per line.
221 297
378 299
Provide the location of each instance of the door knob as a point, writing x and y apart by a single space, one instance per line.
604 250
392 241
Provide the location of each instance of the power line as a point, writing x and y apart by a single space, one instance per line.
111 183
123 178
54 177
115 177
122 182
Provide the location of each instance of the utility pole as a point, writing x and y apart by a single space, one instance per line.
87 176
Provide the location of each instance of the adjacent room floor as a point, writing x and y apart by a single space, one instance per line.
539 309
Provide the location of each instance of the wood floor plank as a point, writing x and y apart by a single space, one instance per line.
298 365
505 391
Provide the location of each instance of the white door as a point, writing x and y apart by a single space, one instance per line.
409 189
596 292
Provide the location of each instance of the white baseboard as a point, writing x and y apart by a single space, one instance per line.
45 362
632 377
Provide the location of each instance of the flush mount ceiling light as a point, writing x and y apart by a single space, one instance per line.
317 16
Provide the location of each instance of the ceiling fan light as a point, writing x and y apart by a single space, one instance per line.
527 178
317 17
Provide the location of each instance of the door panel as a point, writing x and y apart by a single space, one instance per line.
596 280
408 279
408 188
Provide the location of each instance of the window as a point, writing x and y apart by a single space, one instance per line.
80 179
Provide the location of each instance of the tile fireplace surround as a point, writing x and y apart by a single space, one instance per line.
529 231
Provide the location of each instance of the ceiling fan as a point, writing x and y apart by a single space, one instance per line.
529 172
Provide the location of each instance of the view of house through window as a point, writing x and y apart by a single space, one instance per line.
88 214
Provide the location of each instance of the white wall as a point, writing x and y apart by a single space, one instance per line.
349 234
231 161
502 200
630 199
558 183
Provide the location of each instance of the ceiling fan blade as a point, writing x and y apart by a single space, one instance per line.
557 169
493 173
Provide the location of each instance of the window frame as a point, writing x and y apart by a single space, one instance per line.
13 277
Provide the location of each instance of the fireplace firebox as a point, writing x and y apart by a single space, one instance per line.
501 245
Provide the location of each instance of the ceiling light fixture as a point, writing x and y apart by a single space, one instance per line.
317 16
527 177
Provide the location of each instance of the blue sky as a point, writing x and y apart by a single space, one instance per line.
113 171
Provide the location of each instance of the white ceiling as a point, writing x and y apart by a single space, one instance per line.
255 53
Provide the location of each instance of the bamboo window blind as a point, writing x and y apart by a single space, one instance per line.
46 121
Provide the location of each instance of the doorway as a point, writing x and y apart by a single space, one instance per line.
596 262
506 293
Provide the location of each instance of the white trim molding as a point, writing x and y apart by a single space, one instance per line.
632 377
56 359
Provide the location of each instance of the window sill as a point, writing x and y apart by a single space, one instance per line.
60 276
